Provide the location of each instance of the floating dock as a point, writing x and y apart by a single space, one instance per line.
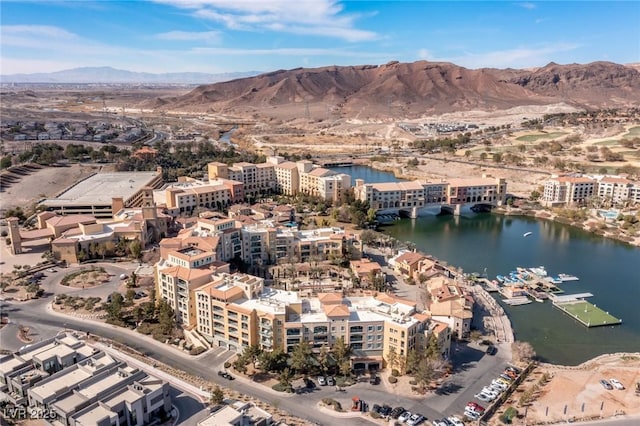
517 301
584 312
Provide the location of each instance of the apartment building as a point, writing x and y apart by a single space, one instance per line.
189 194
287 177
484 190
267 243
449 304
239 413
76 384
618 190
257 179
186 262
568 190
390 195
236 311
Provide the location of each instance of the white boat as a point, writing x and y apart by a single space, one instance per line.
526 234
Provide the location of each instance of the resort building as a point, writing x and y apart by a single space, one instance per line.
449 304
94 195
257 179
390 195
618 190
407 263
568 190
577 189
188 194
484 190
236 311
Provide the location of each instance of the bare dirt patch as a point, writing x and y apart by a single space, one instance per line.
579 390
45 183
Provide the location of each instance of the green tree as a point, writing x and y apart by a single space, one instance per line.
300 357
392 357
285 378
433 348
340 350
129 295
135 248
114 308
5 162
165 317
217 396
425 371
413 358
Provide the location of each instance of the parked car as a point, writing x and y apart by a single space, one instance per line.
322 381
492 350
440 422
471 415
483 397
376 408
475 407
225 375
331 381
616 384
490 392
511 374
415 419
500 385
404 416
496 388
506 377
605 384
385 410
455 421
374 379
395 413
51 270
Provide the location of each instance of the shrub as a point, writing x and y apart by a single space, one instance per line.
227 364
413 382
145 328
508 415
197 350
375 415
395 372
282 388
393 379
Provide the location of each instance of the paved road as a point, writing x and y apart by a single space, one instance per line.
475 369
191 411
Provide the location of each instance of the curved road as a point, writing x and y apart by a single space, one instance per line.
473 368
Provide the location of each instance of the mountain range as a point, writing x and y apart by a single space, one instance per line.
412 90
87 75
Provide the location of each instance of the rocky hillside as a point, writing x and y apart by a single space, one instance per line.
411 90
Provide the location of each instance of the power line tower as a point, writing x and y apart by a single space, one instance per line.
307 114
104 107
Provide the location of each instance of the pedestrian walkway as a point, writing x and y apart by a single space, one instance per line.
501 325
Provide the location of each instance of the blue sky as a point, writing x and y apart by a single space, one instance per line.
264 35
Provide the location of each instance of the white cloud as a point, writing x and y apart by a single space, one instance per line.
521 57
304 17
206 36
35 36
527 5
289 51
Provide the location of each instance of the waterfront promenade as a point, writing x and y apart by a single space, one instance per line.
498 321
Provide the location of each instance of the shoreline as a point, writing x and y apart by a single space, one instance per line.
552 217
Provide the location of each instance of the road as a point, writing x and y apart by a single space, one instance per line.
473 369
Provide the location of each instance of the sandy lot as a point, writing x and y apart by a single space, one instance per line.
578 389
46 182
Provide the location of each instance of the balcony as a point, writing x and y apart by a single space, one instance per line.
293 332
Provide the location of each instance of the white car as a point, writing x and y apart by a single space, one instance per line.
616 384
455 421
471 415
490 392
484 397
415 419
499 384
404 416
496 389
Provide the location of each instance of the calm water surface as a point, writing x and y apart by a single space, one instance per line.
608 269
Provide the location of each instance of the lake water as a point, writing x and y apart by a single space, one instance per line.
609 269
